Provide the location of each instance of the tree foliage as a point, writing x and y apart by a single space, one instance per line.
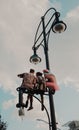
3 125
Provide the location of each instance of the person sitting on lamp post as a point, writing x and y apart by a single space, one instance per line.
28 83
41 86
51 82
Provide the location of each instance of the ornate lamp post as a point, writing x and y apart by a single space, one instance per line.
56 26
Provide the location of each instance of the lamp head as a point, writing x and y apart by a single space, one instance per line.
58 27
35 59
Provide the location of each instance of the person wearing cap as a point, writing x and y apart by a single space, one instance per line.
51 82
41 86
28 83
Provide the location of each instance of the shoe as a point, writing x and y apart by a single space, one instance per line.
18 105
29 108
26 105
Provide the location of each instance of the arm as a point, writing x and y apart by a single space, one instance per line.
51 81
20 75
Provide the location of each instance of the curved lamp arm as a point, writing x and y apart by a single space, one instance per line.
46 113
36 39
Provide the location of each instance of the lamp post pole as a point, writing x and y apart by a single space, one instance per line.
45 45
57 26
51 102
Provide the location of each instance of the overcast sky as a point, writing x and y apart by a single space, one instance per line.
19 20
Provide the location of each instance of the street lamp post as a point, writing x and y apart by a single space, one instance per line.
57 26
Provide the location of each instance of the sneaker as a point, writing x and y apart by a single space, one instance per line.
29 108
18 105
